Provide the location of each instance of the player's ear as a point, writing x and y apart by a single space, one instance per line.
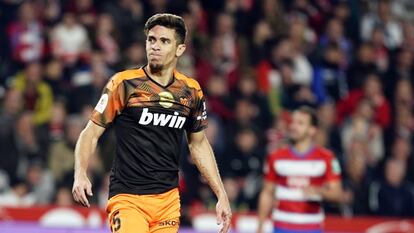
180 50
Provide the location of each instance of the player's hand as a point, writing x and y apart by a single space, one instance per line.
81 188
223 212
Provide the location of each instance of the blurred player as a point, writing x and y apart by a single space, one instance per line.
151 108
298 178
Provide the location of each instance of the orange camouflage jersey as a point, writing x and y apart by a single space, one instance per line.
149 121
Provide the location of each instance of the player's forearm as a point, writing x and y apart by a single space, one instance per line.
85 146
264 208
204 159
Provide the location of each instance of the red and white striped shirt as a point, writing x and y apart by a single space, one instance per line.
291 172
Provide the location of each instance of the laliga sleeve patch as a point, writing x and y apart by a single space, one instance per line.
336 168
100 107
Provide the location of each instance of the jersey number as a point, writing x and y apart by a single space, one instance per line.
116 222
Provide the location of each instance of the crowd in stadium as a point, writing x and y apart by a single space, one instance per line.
256 60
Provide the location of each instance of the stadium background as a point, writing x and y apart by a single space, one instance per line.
256 61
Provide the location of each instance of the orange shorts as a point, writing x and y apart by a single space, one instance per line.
155 213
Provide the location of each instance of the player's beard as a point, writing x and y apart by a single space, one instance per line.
155 68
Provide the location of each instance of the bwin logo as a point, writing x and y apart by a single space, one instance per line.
161 119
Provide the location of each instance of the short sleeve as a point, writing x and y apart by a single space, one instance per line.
333 172
198 116
268 169
111 103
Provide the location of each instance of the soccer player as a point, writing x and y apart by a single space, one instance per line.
150 108
297 178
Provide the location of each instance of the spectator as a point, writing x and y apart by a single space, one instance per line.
329 79
60 157
372 92
63 197
382 18
18 196
360 127
107 39
356 181
11 108
40 182
362 66
26 35
70 41
392 196
37 94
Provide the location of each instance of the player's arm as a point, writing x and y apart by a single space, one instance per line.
266 199
332 191
203 157
332 188
85 146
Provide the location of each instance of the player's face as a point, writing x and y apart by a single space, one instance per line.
300 127
162 47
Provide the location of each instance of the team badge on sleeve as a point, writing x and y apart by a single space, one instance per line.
336 168
100 107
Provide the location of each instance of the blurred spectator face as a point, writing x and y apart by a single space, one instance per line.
384 10
326 114
99 70
300 127
366 54
25 126
401 149
246 140
372 86
297 30
286 71
217 86
73 129
365 110
33 73
34 174
282 52
69 20
54 69
83 5
341 11
321 138
262 31
27 12
64 197
216 48
105 23
136 54
333 55
356 163
212 131
404 93
405 59
225 24
245 111
335 30
248 85
58 113
13 102
378 37
232 189
395 172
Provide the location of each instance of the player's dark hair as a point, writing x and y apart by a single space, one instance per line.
169 21
312 114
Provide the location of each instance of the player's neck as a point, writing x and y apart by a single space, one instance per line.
163 77
302 146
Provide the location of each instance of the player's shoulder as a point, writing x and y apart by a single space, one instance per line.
325 152
128 74
281 152
190 82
